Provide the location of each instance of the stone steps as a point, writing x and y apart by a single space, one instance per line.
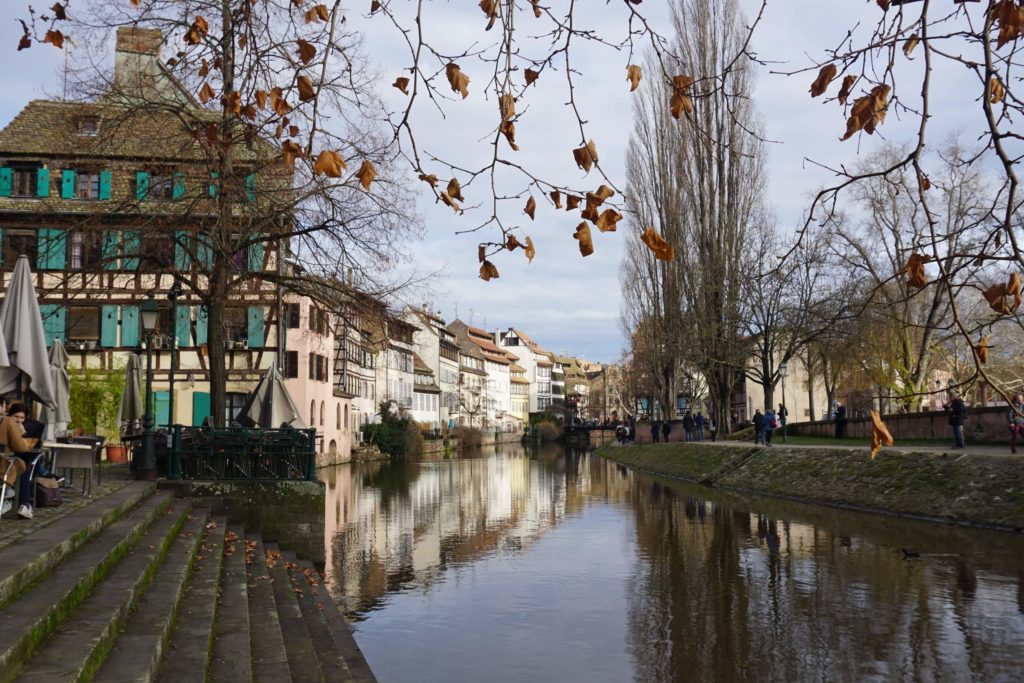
148 589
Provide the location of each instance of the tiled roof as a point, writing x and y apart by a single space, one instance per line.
530 344
420 366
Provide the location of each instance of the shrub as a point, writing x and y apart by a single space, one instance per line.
469 437
396 434
549 431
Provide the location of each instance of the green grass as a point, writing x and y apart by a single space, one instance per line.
829 441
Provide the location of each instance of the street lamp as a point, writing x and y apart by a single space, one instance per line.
782 375
145 466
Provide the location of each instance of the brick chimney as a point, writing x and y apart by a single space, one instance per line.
136 57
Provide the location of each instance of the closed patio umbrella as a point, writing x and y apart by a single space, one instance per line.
129 415
58 416
270 405
21 326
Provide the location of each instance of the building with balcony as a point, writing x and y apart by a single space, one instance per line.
426 397
438 349
536 364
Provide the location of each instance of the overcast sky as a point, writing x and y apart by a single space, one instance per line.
567 303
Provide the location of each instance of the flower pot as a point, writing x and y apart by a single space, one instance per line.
116 453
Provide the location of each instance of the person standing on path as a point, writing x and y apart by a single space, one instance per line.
666 427
688 425
770 425
655 431
758 426
1015 416
699 424
957 410
840 420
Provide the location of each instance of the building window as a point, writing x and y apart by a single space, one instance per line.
291 364
346 418
89 125
87 185
86 250
233 404
236 325
291 316
321 413
83 323
161 187
157 250
24 180
312 413
319 321
17 242
318 367
339 415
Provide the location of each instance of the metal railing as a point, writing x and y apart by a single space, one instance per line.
238 453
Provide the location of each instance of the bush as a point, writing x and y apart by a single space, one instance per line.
95 400
469 437
549 431
396 434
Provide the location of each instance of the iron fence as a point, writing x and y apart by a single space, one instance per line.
239 453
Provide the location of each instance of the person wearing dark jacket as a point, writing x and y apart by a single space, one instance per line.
688 425
758 426
957 413
666 427
655 431
1015 417
840 420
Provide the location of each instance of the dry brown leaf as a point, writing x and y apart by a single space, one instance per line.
402 83
536 8
925 183
604 192
278 104
59 13
531 207
293 131
233 103
531 76
55 38
982 350
680 104
488 271
996 90
880 435
490 9
306 51
825 76
249 111
290 151
306 89
318 13
511 243
868 111
206 93
366 174
585 156
455 190
458 80
508 129
915 270
481 253
530 250
429 179
884 4
844 91
1013 289
261 99
330 164
910 44
507 107
196 31
556 197
25 42
607 220
1010 17
374 6
633 76
583 235
657 244
571 202
450 202
996 297
589 213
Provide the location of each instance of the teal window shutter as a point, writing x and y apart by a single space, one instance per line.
182 247
130 326
54 321
256 316
178 189
200 407
213 183
43 182
105 179
201 325
141 185
250 187
108 327
111 243
67 184
183 325
132 242
6 179
256 254
52 246
162 407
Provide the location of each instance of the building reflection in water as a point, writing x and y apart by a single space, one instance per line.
722 587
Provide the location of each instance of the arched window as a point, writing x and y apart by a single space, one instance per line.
321 413
339 416
346 418
312 413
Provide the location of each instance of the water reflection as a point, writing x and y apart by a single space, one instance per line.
563 566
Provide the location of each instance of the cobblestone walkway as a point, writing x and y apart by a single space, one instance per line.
14 528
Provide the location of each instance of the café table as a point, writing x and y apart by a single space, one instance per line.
73 456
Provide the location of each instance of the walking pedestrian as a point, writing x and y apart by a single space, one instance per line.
1015 416
758 426
712 428
699 424
771 423
655 431
840 420
688 425
957 410
666 427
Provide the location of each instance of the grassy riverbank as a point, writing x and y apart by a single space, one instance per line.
980 489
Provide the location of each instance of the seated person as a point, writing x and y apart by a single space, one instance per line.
13 441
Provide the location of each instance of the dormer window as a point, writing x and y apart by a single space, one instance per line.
89 125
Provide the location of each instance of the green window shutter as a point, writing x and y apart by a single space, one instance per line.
108 327
54 322
105 179
178 189
162 407
183 325
111 243
67 184
43 182
130 326
256 316
256 255
201 320
200 407
213 183
141 185
132 242
250 187
6 179
52 245
182 247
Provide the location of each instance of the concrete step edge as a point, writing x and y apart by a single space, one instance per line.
141 645
342 632
46 604
79 648
304 582
32 557
231 655
187 655
302 659
269 657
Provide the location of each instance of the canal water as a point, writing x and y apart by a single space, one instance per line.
556 565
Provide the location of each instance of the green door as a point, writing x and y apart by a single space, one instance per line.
200 407
162 407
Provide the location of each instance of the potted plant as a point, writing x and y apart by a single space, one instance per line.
94 402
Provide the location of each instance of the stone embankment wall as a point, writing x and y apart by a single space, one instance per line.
987 490
983 425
